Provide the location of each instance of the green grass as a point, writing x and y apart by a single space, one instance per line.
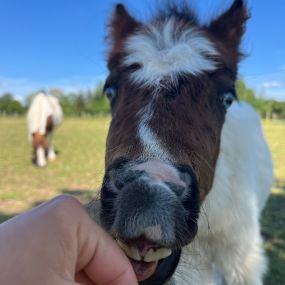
79 169
273 220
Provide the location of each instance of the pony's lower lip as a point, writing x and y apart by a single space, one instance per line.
143 270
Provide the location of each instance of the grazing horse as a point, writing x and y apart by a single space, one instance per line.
188 170
44 115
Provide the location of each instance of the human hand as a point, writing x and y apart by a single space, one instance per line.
58 244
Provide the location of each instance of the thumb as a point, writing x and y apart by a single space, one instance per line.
101 259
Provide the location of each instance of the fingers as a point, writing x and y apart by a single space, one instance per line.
83 279
107 264
59 235
96 253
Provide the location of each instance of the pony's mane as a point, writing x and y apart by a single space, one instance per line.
182 11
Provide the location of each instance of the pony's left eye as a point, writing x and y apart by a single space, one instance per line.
228 99
111 93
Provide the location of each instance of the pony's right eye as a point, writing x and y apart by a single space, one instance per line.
111 93
228 99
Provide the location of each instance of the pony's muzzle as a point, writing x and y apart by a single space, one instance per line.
151 208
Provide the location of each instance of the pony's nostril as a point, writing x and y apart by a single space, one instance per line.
119 184
126 177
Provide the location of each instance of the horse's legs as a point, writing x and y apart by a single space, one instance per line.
41 156
51 152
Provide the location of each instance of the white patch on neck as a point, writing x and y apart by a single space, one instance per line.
230 213
165 51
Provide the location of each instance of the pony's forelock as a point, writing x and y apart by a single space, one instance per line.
167 49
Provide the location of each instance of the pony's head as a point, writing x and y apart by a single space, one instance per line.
171 82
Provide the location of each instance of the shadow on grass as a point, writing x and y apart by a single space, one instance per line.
273 231
83 195
4 217
280 183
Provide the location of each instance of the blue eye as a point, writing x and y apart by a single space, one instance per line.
228 99
111 93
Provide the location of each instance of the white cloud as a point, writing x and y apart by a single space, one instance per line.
271 84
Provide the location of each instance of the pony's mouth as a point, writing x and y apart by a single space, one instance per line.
144 262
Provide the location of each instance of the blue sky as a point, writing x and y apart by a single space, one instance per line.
60 43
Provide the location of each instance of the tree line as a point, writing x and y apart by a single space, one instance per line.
93 102
267 108
82 103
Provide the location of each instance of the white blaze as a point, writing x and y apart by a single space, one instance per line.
164 52
152 145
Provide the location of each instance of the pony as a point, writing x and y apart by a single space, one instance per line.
44 115
188 170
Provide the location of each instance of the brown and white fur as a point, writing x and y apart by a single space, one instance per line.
188 170
44 115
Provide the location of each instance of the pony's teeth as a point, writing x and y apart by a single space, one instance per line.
130 251
154 255
151 255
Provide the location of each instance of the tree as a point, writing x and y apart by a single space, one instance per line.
80 104
10 106
265 107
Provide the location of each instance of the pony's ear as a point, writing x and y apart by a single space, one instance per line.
122 25
230 26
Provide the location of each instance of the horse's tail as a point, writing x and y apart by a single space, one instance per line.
56 110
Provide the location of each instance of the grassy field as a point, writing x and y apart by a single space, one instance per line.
79 168
273 220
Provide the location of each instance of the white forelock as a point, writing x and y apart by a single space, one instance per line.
165 51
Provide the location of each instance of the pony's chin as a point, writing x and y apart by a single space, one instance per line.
152 264
157 272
